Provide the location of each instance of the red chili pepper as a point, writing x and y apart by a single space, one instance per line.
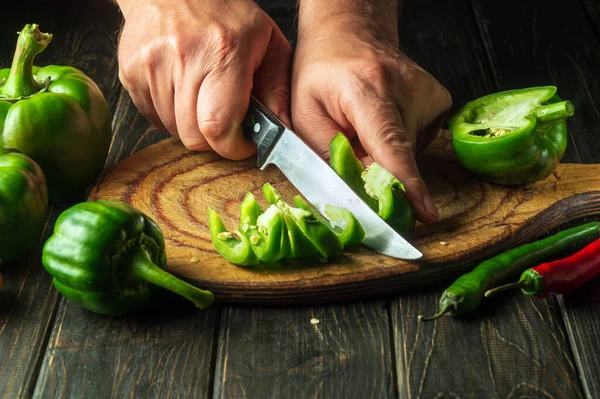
558 277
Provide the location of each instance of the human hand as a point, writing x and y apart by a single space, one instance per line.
190 67
350 76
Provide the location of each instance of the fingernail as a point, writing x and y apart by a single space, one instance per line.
430 206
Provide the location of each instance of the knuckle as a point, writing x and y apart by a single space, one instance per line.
390 139
373 73
213 128
222 44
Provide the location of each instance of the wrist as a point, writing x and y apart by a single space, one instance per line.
379 18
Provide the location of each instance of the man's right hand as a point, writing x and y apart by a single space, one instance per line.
190 67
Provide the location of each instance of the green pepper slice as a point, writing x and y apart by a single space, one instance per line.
322 238
512 137
381 190
341 221
300 245
266 230
234 248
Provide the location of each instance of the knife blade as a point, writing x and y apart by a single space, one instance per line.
277 145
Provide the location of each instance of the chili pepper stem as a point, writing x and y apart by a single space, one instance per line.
443 310
502 288
550 112
143 267
20 82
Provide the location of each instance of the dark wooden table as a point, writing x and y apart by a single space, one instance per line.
513 347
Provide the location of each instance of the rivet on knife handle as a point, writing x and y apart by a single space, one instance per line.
263 128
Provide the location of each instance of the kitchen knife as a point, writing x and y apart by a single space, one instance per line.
315 179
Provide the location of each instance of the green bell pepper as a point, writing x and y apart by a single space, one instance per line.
56 115
108 257
23 204
381 190
512 137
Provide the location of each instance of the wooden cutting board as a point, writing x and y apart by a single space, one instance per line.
175 186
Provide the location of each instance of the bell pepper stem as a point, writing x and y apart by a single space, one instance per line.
143 268
550 112
20 82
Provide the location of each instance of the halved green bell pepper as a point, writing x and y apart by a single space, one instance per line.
381 190
512 137
108 257
56 115
23 204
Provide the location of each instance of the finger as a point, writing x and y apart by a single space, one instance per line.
385 138
162 93
272 79
222 105
143 102
186 114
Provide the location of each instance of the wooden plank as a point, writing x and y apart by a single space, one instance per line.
165 350
279 353
511 347
82 38
27 306
542 54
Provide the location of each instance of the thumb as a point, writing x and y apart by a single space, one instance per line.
384 137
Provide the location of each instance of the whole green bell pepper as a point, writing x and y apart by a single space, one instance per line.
512 137
381 190
56 115
108 257
23 204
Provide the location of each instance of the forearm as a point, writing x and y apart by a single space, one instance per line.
380 17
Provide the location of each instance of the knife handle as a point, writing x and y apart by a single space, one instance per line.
262 127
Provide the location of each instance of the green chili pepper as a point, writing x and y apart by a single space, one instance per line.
512 137
56 115
466 293
107 257
381 190
23 204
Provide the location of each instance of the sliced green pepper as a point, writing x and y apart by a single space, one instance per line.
234 248
512 137
341 221
56 115
381 190
300 245
108 257
322 238
266 230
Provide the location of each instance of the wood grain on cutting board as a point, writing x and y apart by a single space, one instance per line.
175 186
